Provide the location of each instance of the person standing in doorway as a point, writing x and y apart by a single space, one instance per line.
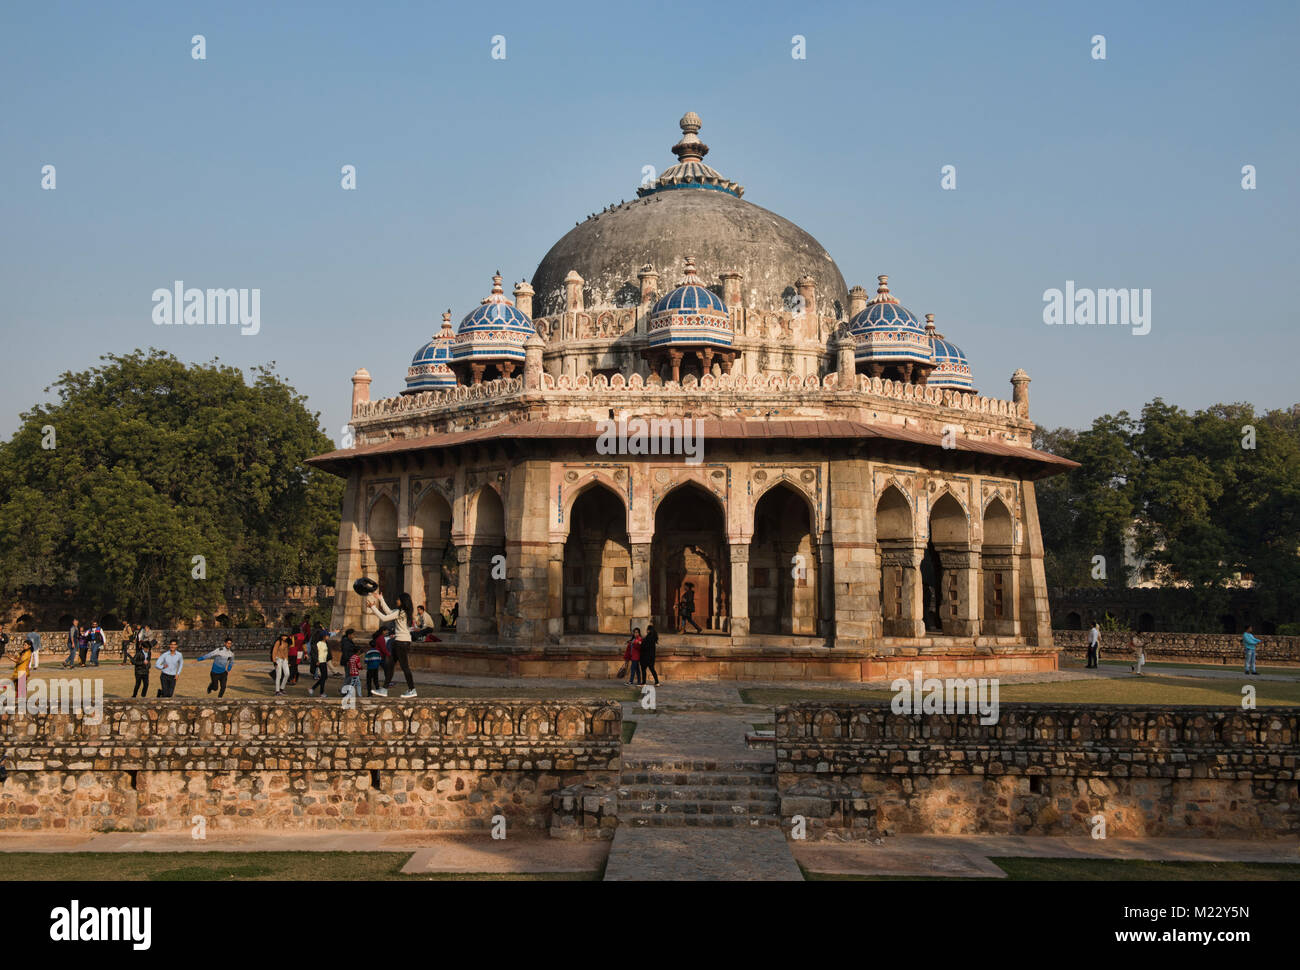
170 663
400 644
1094 646
649 644
141 661
686 609
1249 642
223 659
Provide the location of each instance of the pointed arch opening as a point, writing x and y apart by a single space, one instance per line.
597 564
783 566
435 586
486 520
688 561
381 529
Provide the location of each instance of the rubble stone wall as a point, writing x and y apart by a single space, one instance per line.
303 765
1055 769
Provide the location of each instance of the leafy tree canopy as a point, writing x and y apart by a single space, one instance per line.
155 462
1207 496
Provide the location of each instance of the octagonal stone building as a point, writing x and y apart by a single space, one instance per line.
688 398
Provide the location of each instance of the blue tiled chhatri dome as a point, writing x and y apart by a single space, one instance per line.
690 315
886 332
430 367
951 368
494 333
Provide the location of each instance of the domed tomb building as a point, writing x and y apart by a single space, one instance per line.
687 419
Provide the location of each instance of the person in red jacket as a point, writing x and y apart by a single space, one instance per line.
632 653
295 651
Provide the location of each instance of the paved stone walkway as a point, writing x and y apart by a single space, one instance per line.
970 855
671 854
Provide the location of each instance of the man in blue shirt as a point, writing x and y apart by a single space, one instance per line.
170 663
223 659
1250 642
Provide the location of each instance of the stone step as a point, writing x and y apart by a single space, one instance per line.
643 820
698 807
755 766
628 793
691 779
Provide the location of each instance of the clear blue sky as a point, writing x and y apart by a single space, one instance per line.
225 173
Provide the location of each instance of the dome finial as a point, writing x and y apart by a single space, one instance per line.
690 148
688 273
882 292
929 324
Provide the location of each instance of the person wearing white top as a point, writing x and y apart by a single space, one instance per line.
402 619
1094 645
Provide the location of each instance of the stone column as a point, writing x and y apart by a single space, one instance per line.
413 569
528 552
555 590
964 562
360 389
641 584
349 567
857 301
464 622
825 587
739 552
845 365
1035 615
853 564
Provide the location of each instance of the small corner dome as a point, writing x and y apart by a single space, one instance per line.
884 312
430 368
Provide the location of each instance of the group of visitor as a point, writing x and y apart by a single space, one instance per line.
1249 643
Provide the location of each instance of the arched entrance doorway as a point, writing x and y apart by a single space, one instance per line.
783 565
900 591
434 553
948 569
689 557
381 529
487 565
597 565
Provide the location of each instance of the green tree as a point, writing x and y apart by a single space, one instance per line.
155 463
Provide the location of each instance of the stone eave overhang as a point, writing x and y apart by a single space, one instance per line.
1038 464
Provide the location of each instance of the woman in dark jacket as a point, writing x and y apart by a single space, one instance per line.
649 643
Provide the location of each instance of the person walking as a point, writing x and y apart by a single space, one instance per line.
353 669
1249 642
128 638
170 663
223 660
321 655
294 644
1139 652
686 609
374 660
22 662
1094 646
632 654
280 657
74 637
649 645
141 661
347 647
95 642
400 644
35 640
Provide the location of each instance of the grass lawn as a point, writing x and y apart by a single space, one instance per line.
1147 689
1101 870
1235 666
240 867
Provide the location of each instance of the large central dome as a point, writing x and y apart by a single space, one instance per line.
690 210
